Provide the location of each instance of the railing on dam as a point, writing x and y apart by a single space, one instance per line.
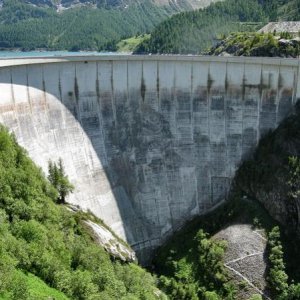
148 141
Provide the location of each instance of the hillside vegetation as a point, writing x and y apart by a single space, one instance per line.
195 32
130 44
257 44
27 27
100 25
46 250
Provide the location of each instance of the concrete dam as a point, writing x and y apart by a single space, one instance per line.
148 141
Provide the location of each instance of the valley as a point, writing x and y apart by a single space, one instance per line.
172 173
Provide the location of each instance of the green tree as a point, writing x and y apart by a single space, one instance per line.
59 180
277 278
42 243
18 286
211 296
210 259
294 292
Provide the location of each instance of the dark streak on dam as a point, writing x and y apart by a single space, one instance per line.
148 141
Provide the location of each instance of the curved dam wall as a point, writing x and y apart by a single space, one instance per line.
148 141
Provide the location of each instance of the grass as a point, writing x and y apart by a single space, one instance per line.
129 45
37 289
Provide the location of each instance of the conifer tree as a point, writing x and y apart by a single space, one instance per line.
59 180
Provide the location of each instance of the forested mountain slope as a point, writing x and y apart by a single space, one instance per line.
24 26
194 32
81 25
43 244
64 4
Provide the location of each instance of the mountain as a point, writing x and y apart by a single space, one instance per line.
81 25
65 4
195 32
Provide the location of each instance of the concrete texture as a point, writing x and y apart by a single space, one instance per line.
148 141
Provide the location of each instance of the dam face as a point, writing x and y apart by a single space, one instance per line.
148 141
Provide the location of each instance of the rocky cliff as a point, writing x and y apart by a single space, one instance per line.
64 4
272 175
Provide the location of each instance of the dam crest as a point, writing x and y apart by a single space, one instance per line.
149 142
